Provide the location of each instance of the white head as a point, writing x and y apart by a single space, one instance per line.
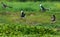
22 11
40 4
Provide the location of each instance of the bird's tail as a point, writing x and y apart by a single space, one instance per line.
9 6
48 9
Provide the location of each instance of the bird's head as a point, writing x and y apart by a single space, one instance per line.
22 11
40 4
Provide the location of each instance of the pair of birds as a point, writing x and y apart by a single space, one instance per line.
53 18
5 6
23 14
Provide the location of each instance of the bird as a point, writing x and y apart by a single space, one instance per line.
22 13
53 18
43 9
4 5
